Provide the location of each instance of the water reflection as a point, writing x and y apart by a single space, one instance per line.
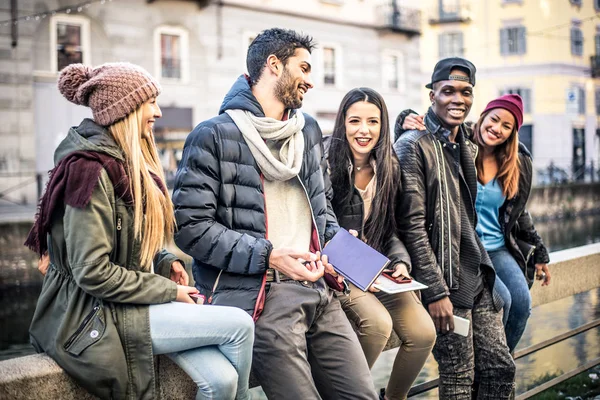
547 321
571 232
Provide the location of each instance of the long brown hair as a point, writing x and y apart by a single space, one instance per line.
381 222
507 159
153 215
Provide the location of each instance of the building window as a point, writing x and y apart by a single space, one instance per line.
576 41
449 9
525 94
70 41
247 39
580 100
171 53
393 71
597 44
329 66
597 93
526 137
597 5
451 44
513 40
576 2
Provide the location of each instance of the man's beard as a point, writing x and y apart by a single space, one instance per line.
287 92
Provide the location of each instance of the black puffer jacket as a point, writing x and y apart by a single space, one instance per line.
520 236
428 214
220 205
351 216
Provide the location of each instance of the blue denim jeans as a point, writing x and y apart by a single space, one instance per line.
212 344
512 286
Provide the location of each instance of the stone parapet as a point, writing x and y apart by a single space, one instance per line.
38 377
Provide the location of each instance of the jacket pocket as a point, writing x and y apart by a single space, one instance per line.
89 332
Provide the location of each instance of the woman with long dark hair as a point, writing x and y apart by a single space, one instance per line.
111 297
365 181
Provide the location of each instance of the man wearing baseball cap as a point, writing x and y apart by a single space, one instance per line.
436 217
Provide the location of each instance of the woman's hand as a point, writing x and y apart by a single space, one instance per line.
183 294
542 273
400 269
44 263
413 121
179 274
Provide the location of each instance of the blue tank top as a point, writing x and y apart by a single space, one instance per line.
487 204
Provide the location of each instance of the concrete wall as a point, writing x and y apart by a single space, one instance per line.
564 201
38 377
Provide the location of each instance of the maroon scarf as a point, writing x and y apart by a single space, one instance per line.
72 182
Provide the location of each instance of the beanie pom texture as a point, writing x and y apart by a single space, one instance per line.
71 78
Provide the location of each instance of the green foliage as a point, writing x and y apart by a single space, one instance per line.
581 386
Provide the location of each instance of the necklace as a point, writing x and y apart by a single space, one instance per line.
363 167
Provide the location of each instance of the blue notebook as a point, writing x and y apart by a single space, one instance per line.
354 259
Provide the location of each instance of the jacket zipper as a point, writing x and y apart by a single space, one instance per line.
439 168
312 214
81 327
215 287
118 236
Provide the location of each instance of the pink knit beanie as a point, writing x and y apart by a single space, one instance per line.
511 103
112 90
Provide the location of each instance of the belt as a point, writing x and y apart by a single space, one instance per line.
276 276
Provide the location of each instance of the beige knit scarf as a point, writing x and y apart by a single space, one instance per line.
258 129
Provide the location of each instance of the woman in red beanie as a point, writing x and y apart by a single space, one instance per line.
504 171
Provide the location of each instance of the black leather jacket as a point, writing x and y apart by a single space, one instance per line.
428 214
520 235
220 205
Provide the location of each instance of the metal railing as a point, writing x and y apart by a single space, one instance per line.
552 174
432 384
399 19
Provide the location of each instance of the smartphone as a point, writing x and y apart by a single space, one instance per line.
461 326
400 279
198 298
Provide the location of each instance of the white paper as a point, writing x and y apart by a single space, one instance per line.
389 286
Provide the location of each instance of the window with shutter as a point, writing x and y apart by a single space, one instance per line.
576 41
513 40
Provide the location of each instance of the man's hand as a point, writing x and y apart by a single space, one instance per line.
44 263
441 314
329 268
413 121
179 274
542 273
286 261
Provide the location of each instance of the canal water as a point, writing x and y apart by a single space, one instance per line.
20 284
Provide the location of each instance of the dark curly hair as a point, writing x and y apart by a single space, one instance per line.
278 41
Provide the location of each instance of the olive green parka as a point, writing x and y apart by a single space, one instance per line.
92 313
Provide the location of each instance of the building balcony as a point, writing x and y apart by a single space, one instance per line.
399 19
595 66
451 11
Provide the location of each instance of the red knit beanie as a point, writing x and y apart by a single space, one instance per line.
112 90
510 102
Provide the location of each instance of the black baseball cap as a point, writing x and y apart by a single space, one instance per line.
442 70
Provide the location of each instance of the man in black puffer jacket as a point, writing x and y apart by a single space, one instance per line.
436 219
251 210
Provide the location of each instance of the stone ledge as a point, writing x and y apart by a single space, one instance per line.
38 376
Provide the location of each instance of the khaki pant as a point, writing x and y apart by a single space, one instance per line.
374 317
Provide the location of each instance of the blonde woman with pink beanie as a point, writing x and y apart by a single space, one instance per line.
112 298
